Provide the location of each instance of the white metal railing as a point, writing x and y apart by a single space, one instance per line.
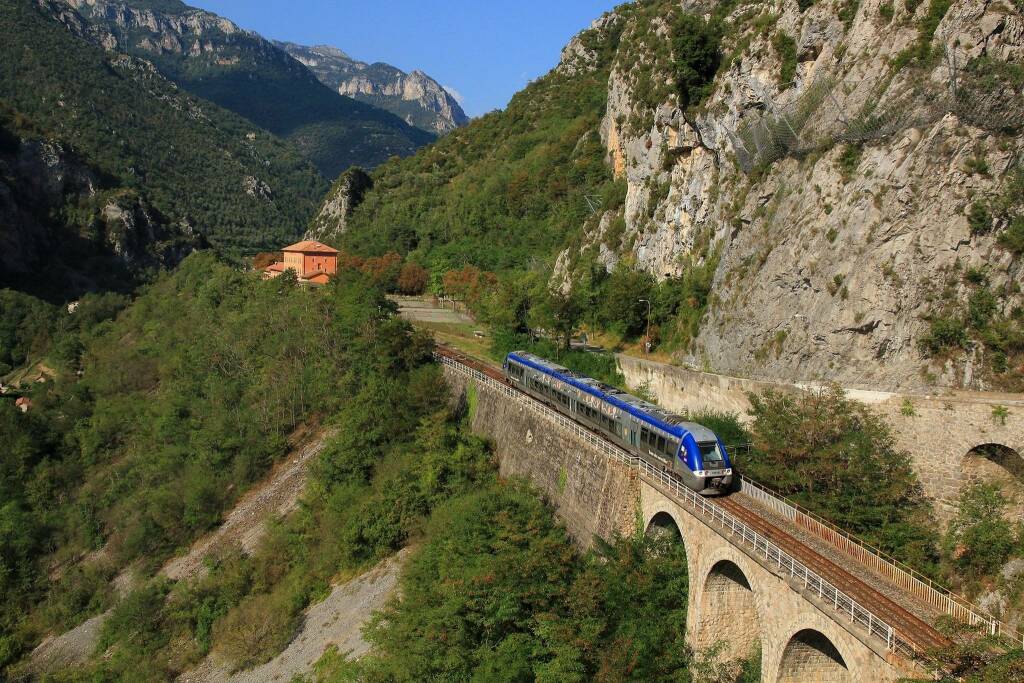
740 533
903 576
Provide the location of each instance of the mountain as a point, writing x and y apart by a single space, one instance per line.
197 165
823 190
211 57
67 228
415 97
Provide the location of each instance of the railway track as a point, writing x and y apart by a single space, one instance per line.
910 628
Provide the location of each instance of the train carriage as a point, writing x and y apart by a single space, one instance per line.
691 451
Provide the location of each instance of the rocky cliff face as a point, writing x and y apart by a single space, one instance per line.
834 174
345 195
65 230
415 97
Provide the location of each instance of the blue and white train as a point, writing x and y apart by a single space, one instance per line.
691 451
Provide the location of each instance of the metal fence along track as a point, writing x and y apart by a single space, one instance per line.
742 535
904 577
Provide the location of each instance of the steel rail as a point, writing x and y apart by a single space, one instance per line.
904 577
743 535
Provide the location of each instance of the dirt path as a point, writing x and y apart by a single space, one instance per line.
335 621
244 526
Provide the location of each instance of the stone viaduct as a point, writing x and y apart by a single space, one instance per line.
735 595
953 439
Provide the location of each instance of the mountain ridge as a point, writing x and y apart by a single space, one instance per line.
413 96
243 72
199 166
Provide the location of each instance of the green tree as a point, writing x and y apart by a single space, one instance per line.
835 456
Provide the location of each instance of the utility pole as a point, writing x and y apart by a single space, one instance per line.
647 339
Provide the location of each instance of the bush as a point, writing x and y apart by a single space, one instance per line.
252 632
979 218
695 46
945 333
785 48
980 540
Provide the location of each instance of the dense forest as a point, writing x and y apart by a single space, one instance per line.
251 77
197 164
169 407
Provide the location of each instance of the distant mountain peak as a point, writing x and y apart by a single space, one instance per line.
415 97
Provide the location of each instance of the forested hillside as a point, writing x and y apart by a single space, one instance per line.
210 57
199 166
68 228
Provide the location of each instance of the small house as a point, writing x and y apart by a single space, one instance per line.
312 261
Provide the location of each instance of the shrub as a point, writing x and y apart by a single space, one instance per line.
253 632
979 218
1012 238
849 160
838 458
945 333
980 539
886 11
695 45
785 47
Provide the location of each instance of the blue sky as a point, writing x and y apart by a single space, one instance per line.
484 50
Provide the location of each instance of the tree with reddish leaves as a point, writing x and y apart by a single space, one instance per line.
413 278
469 284
384 270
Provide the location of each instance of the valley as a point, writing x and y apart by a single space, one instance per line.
256 296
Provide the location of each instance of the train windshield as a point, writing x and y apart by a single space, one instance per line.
711 454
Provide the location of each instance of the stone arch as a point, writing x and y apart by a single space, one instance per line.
811 656
998 464
664 524
728 611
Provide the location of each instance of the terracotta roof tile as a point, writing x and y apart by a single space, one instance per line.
311 246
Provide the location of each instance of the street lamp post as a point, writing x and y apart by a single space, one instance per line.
647 340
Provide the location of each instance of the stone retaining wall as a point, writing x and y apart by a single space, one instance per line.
937 431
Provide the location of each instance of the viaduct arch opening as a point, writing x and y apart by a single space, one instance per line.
810 656
728 611
1000 465
663 525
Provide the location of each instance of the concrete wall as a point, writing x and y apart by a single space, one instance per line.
939 433
732 597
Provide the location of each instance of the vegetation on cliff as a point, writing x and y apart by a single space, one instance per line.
196 163
183 401
248 75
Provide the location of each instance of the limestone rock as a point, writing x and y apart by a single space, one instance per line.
415 97
858 255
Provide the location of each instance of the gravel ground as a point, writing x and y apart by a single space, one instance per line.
243 527
422 309
918 608
338 620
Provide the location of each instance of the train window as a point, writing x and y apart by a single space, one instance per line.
661 444
645 436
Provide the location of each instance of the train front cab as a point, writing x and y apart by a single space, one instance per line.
710 470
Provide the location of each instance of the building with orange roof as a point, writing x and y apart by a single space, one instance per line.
313 262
